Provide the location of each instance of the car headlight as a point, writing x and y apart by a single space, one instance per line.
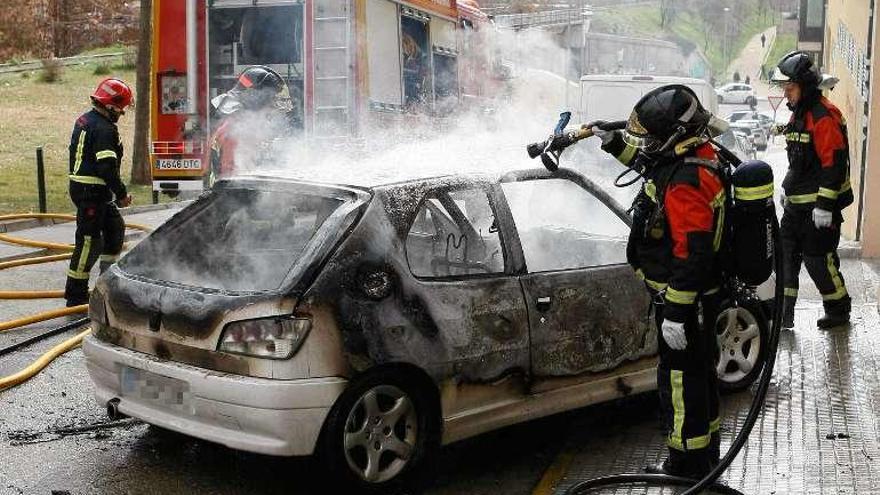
276 337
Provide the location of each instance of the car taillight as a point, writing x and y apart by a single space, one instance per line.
277 337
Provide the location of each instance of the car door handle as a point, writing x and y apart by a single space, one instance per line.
543 303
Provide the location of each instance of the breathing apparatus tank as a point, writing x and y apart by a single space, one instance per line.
752 221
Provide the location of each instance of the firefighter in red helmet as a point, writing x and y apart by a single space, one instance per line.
96 187
249 113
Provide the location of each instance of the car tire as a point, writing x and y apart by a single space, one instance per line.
720 99
742 330
379 434
751 101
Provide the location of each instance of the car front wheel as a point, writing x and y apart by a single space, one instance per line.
378 435
742 333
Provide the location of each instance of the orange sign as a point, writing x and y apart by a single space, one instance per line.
442 7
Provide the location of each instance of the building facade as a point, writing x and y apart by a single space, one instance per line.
849 46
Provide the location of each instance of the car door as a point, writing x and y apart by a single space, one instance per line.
465 284
587 310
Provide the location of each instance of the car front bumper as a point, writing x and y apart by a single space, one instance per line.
275 417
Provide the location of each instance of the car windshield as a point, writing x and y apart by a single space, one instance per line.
234 239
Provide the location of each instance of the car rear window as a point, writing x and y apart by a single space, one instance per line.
235 239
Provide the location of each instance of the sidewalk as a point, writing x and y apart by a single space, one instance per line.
750 59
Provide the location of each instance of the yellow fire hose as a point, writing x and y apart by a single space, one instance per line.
42 361
46 315
48 357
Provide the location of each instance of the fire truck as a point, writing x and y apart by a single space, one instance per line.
348 64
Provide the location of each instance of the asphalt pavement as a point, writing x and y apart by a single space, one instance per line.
819 432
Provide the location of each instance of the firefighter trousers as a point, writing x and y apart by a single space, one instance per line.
803 243
100 231
688 387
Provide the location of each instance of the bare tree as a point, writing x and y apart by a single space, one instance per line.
668 12
140 165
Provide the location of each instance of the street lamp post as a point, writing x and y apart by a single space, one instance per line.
725 49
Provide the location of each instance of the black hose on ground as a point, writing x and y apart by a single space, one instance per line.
708 482
55 331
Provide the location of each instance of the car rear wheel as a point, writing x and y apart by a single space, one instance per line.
378 434
751 101
742 333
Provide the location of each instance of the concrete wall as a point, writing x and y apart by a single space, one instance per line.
846 38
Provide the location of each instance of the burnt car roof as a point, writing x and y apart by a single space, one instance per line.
383 171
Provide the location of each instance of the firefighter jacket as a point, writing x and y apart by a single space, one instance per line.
678 226
95 156
223 146
818 157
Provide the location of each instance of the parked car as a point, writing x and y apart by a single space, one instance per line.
736 93
759 134
740 142
765 119
370 322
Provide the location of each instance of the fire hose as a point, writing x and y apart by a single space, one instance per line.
48 357
550 152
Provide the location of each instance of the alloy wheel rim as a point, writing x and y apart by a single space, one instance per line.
380 433
739 342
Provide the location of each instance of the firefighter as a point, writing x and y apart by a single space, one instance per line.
817 188
258 93
96 187
674 247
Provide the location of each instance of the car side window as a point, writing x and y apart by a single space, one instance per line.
455 234
562 226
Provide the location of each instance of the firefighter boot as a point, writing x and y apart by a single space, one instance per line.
836 314
788 303
694 464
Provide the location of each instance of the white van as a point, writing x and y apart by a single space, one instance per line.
613 96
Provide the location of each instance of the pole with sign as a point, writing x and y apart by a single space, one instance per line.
774 103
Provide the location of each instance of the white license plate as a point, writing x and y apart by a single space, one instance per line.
151 387
179 164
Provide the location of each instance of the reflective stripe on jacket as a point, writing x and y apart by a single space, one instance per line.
818 157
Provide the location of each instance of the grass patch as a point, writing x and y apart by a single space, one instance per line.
686 30
40 114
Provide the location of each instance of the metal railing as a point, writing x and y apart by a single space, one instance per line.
545 18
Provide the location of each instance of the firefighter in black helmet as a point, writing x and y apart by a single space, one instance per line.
674 245
817 188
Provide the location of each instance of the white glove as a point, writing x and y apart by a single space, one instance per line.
605 136
673 334
821 218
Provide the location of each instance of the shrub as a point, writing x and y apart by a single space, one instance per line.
101 70
51 71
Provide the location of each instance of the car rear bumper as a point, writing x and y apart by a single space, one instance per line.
275 417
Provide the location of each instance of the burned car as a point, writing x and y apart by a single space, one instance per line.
369 323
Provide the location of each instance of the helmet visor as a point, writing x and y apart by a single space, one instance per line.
647 144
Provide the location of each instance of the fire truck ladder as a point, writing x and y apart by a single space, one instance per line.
332 69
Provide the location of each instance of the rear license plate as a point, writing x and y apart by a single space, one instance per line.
179 164
147 386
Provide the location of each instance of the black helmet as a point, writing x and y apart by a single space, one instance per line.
664 117
797 67
257 87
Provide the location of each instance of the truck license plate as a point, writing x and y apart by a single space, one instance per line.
179 164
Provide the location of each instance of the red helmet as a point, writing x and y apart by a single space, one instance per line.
114 94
